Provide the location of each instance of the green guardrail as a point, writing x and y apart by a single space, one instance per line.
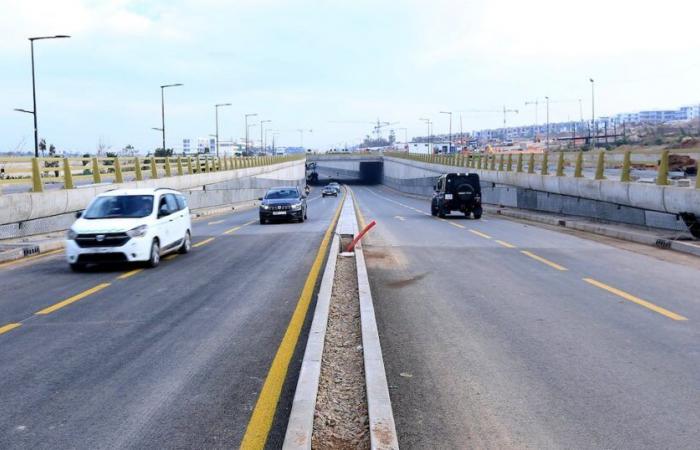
36 172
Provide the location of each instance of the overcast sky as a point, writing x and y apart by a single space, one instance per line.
306 64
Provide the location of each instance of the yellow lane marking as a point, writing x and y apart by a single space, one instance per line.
169 257
454 224
29 258
479 233
401 218
72 299
8 327
505 244
234 229
128 274
204 242
543 260
264 411
637 300
216 222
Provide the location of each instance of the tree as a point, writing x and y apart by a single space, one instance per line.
102 146
128 150
42 147
162 153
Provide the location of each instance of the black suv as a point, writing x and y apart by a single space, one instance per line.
283 203
457 192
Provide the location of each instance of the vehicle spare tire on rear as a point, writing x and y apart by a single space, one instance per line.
465 192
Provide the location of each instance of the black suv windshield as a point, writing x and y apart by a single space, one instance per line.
120 206
282 193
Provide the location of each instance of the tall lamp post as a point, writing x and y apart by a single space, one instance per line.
430 134
33 111
593 131
405 136
449 145
216 108
547 143
262 134
246 130
162 107
301 136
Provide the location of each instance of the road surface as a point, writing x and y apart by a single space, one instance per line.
499 334
172 357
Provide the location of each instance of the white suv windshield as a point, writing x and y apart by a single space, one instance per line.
120 206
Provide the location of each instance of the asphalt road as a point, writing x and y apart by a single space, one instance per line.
172 357
564 346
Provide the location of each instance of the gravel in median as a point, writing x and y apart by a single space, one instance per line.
341 420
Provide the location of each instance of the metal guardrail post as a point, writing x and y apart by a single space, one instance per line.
190 170
493 162
225 160
137 169
600 167
560 165
198 164
96 177
501 162
118 176
479 162
578 170
531 164
168 171
179 166
67 175
509 166
519 163
626 165
662 174
545 163
37 185
154 169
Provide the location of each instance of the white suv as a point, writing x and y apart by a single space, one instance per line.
127 225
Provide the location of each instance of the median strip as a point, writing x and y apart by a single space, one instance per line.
637 300
264 411
505 244
479 233
128 274
72 299
8 327
234 229
543 260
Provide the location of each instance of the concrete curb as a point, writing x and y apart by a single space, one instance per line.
301 419
381 417
602 230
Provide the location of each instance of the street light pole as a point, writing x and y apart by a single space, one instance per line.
216 108
246 130
405 136
162 107
449 145
430 135
262 127
593 131
547 143
33 111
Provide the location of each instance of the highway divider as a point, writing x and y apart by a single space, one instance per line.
301 428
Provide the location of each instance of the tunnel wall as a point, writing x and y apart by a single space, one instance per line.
631 203
25 214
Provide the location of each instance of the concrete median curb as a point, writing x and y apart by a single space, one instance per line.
381 420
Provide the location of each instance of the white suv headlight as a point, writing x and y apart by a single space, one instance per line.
264 206
138 231
296 206
71 235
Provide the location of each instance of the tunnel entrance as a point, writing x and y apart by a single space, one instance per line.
363 172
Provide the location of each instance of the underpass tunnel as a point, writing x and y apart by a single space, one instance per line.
366 172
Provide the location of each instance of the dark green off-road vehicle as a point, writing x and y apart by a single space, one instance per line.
457 192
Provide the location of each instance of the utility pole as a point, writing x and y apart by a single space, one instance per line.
246 130
216 108
430 135
449 145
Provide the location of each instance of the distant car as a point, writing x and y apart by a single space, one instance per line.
335 186
283 203
457 192
329 190
126 225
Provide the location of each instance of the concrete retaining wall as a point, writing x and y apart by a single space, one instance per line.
24 214
633 203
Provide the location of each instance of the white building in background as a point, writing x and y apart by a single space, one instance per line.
421 147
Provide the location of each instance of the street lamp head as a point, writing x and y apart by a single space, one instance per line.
24 111
222 104
157 129
591 80
58 36
251 114
171 85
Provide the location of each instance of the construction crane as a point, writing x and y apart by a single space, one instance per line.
505 111
377 126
